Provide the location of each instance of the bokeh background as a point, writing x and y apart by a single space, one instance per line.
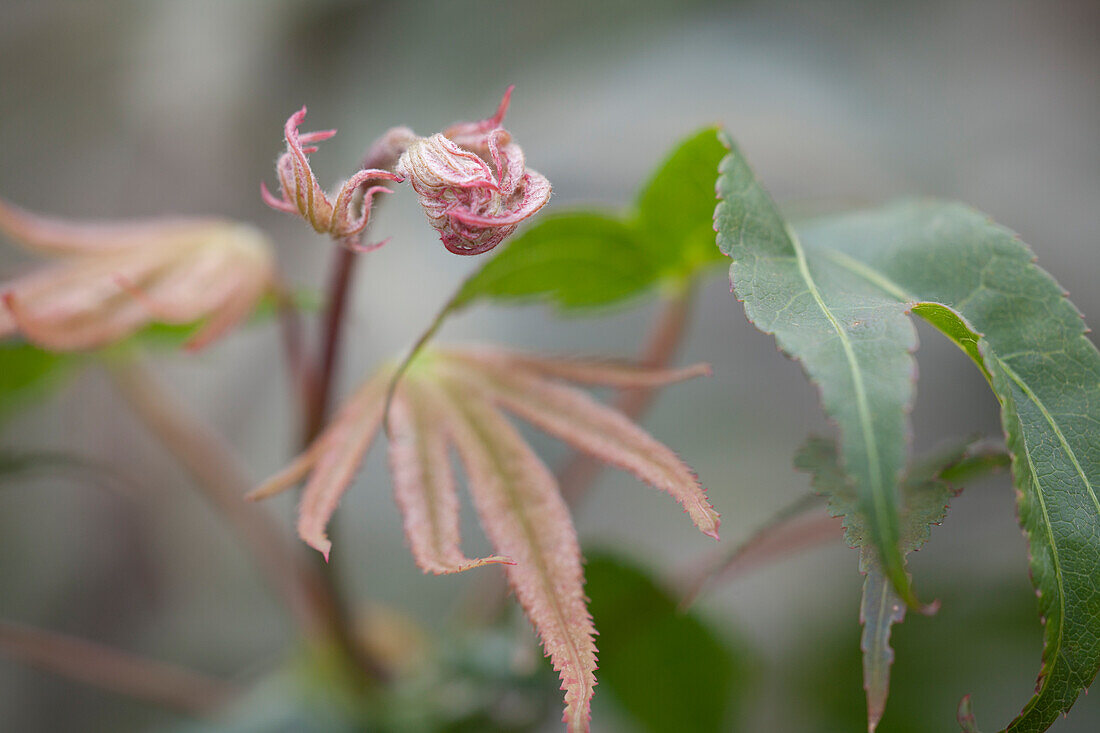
141 107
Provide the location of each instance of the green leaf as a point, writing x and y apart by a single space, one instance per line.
585 259
924 499
26 372
676 207
574 260
854 342
835 296
1046 375
668 670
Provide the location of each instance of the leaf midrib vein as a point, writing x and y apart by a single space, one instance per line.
857 381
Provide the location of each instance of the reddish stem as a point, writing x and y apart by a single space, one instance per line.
340 279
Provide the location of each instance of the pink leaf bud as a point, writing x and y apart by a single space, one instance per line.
473 183
302 195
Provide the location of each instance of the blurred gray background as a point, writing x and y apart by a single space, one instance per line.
124 109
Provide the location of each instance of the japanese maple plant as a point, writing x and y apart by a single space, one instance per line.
839 293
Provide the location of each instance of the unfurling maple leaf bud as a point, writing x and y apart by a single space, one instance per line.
302 194
113 278
473 183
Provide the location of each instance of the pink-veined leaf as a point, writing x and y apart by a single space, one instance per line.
424 484
526 519
588 425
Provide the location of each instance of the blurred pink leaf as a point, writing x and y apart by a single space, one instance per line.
113 278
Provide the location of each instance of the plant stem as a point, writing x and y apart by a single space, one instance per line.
802 524
223 480
666 334
318 392
343 268
301 372
364 668
115 670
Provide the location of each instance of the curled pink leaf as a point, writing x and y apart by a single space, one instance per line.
473 183
111 279
473 135
303 195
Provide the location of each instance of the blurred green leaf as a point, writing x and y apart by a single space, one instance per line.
668 670
982 641
586 259
675 216
27 372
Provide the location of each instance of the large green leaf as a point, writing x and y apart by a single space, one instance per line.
835 296
667 669
586 259
854 341
1046 375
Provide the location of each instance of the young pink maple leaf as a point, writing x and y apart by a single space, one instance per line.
111 279
302 195
473 183
453 398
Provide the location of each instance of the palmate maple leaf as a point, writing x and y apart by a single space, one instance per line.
453 398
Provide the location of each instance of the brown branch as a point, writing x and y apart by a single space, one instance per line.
114 670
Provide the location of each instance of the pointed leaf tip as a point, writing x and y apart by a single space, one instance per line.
965 716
